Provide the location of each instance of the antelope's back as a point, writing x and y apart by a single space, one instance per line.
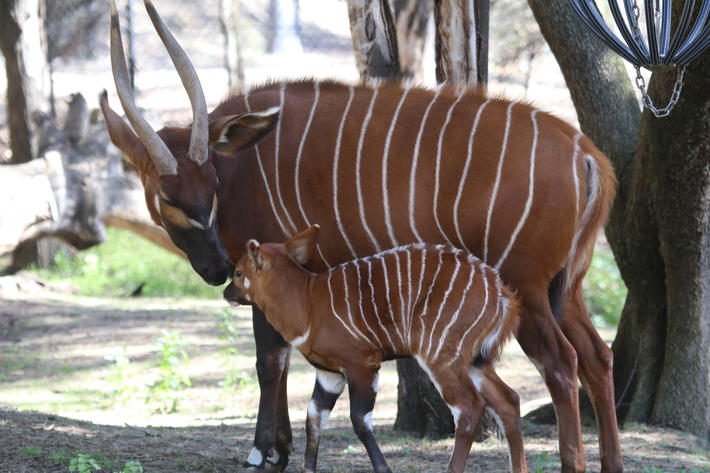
382 166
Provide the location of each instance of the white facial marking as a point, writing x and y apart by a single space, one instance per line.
330 382
247 297
255 457
247 283
195 223
368 420
157 203
376 383
213 213
296 342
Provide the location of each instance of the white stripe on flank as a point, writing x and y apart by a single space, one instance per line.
282 92
332 307
445 332
494 194
422 269
464 176
385 159
336 158
415 163
296 342
358 159
402 311
408 315
426 300
362 312
299 154
346 296
575 177
484 276
442 304
385 275
374 305
437 169
492 337
531 190
266 182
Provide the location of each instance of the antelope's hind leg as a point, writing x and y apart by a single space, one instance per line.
326 391
362 386
505 403
272 438
596 375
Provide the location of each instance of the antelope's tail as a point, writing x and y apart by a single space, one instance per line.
600 191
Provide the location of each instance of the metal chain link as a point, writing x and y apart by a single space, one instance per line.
648 102
641 82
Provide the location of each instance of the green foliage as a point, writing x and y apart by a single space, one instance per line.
83 463
235 378
604 290
173 374
125 262
653 469
131 467
541 462
118 375
31 451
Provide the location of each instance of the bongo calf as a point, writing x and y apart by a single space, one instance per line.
437 304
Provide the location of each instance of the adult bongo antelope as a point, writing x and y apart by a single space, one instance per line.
438 304
379 166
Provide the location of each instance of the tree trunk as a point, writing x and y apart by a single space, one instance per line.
411 18
660 225
233 46
22 43
374 39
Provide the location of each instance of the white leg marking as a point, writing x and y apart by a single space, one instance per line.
502 430
298 341
437 169
346 293
363 317
330 382
266 182
445 333
415 163
324 416
375 308
358 160
368 421
426 300
385 275
385 160
494 194
332 307
255 457
464 176
336 159
484 276
531 190
442 304
456 413
273 457
282 93
476 377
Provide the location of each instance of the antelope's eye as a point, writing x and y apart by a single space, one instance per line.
237 274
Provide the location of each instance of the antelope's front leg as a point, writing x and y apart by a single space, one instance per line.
362 386
326 391
271 449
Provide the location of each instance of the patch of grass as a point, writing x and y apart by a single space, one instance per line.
604 290
125 262
542 462
235 378
653 469
31 451
173 375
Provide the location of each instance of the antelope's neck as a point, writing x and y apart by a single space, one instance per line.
287 305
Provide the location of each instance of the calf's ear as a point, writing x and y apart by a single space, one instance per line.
234 132
254 254
302 246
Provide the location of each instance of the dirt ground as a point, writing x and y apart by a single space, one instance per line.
61 394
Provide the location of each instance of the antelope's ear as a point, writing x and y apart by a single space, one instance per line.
234 132
302 246
123 137
254 254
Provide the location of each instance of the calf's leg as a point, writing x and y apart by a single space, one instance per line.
272 355
326 391
362 386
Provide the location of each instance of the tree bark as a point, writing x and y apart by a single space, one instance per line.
22 43
659 229
411 18
374 39
233 45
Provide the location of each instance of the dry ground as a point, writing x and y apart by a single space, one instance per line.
60 396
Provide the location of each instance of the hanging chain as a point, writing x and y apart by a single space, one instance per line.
641 82
648 102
